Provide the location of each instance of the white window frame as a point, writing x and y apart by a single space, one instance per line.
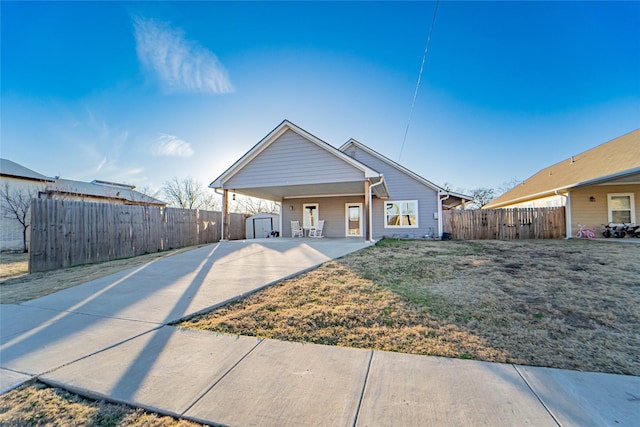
400 202
632 205
305 219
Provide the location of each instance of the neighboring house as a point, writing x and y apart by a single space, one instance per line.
355 190
19 180
98 191
599 186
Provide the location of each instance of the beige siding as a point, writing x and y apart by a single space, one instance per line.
293 160
544 202
594 214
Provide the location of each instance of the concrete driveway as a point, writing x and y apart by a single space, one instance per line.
43 334
109 339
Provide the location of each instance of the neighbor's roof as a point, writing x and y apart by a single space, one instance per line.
614 159
9 168
102 190
96 188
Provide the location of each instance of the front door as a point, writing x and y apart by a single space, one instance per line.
310 215
353 219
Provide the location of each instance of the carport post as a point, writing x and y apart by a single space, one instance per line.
371 205
367 202
281 203
225 215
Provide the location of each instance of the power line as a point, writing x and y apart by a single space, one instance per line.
415 94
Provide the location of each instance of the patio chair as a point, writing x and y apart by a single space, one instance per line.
296 230
317 231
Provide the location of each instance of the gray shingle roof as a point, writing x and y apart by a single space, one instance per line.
9 168
97 188
93 189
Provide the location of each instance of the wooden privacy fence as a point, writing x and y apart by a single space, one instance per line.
66 233
505 224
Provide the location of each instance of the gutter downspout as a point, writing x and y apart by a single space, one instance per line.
567 206
222 222
371 208
440 225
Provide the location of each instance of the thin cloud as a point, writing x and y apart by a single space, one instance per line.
172 146
181 65
101 165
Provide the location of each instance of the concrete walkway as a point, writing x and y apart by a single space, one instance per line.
110 339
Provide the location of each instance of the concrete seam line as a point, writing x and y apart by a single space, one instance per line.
101 316
93 395
215 383
98 351
537 396
364 388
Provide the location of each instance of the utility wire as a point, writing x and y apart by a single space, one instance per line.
415 94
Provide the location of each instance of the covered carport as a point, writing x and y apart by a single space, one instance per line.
315 172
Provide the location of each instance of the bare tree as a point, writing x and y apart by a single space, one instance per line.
149 192
16 203
212 202
508 185
481 196
188 193
253 205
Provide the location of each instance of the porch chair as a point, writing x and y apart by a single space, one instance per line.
317 231
296 230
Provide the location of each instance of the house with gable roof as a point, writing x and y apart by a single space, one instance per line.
598 186
355 190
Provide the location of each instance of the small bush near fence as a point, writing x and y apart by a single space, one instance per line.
505 224
67 233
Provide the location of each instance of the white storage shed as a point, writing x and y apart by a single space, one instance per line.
261 225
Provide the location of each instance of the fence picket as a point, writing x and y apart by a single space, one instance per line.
505 224
66 233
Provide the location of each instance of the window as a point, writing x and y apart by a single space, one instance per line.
310 215
621 208
401 214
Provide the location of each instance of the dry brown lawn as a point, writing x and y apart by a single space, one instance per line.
13 264
39 405
565 304
16 286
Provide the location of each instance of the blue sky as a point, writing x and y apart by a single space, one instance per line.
142 92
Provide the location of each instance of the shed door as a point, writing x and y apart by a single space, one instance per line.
262 227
